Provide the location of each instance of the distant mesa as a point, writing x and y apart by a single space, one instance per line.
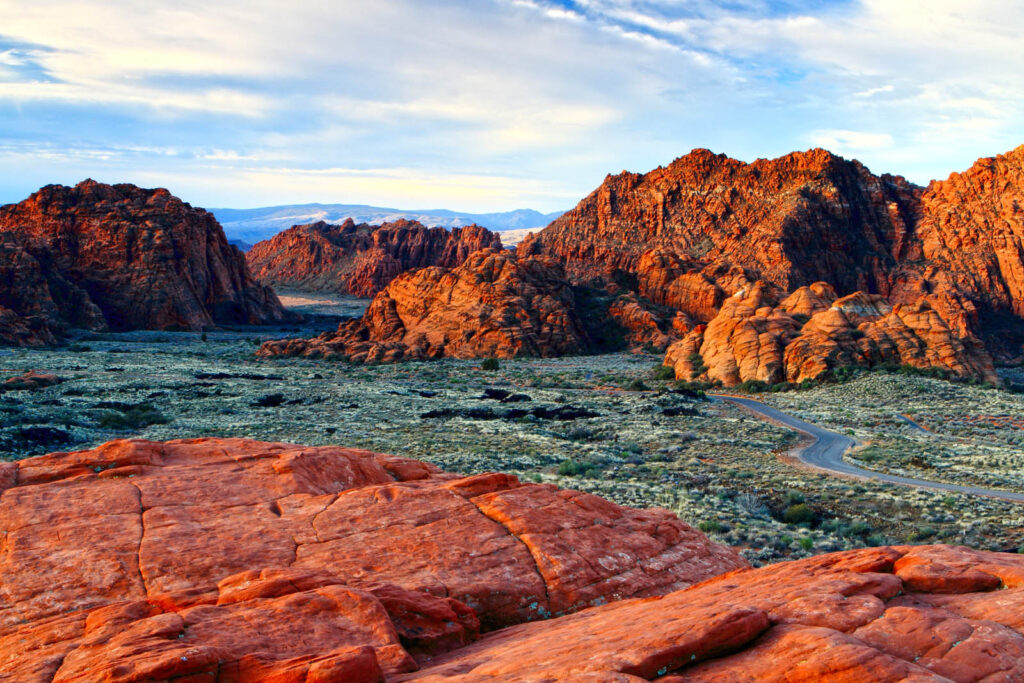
119 257
360 260
239 560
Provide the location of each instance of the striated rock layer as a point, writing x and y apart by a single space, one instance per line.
120 257
361 259
244 561
236 560
493 305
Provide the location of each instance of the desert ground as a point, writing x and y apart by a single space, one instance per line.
607 424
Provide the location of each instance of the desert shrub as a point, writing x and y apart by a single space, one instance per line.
664 373
697 361
585 434
710 526
637 385
126 417
490 365
792 497
806 542
572 468
798 514
752 386
752 504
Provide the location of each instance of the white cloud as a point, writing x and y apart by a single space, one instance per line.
504 90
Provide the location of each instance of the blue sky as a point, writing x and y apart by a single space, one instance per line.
486 105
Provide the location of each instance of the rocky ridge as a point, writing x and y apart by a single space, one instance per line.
697 231
361 259
493 305
237 560
119 257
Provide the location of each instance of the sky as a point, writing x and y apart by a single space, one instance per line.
489 105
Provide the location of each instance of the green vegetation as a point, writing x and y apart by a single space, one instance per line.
490 365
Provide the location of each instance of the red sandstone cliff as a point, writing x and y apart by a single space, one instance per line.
119 257
798 219
493 305
235 560
361 259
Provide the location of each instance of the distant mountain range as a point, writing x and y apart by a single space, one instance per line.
248 226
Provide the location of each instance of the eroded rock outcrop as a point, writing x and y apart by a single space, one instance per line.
759 335
236 560
493 305
361 259
120 257
242 561
805 217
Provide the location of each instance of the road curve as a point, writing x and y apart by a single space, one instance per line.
827 449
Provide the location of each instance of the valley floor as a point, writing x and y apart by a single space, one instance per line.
600 423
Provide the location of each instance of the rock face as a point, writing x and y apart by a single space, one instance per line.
237 560
696 232
759 335
119 257
805 217
493 305
879 614
361 259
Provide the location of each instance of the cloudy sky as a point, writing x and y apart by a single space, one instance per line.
489 104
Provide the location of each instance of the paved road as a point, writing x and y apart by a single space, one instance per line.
826 452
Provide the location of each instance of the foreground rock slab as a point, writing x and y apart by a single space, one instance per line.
230 559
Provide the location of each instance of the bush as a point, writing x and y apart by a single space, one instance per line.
637 385
798 514
664 373
710 526
697 361
128 417
571 468
752 386
806 542
490 365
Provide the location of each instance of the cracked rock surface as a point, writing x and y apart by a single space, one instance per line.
248 560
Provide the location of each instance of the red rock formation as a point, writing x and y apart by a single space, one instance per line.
236 560
118 256
972 231
644 326
29 380
879 614
361 259
493 305
755 336
801 218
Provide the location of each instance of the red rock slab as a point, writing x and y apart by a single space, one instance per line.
616 639
167 522
280 638
591 551
807 653
427 538
951 646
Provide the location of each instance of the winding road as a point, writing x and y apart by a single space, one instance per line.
827 450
